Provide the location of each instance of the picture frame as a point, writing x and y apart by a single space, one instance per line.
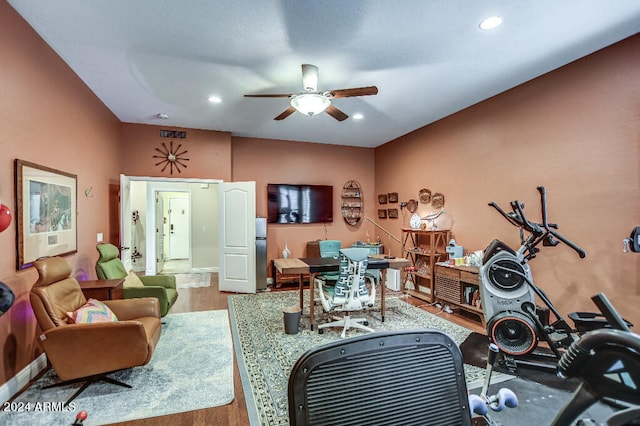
382 214
382 198
46 217
393 213
393 197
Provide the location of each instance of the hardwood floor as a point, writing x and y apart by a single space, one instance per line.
235 414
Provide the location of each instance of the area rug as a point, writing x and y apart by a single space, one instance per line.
201 279
191 368
266 354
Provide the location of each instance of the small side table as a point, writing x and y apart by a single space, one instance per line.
103 289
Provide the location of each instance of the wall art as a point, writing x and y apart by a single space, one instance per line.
46 203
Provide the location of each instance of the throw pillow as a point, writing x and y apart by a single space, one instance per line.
132 280
92 311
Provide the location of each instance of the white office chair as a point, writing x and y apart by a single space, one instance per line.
350 292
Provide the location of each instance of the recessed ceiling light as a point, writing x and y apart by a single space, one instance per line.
491 23
215 99
358 116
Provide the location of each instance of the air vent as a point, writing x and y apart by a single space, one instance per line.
173 134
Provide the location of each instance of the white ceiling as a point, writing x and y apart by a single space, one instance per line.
429 59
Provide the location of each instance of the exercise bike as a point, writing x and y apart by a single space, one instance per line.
515 324
607 363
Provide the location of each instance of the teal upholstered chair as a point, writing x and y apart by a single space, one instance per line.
162 287
329 248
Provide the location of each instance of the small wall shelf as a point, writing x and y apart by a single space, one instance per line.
352 202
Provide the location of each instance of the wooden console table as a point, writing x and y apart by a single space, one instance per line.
457 285
103 289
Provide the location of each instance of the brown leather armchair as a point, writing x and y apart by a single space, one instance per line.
88 352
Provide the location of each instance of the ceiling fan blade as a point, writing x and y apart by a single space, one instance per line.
310 77
360 91
277 95
336 113
287 112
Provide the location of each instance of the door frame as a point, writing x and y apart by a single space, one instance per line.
150 255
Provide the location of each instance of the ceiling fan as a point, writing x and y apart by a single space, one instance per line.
312 102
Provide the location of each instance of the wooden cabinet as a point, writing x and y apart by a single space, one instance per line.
424 249
313 248
352 202
459 287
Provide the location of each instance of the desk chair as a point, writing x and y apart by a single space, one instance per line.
404 377
350 292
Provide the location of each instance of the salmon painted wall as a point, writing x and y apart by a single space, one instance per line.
576 131
274 161
209 152
583 118
49 117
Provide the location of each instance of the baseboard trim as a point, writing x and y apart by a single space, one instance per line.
20 380
212 269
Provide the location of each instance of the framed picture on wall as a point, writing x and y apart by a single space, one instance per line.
46 204
382 214
382 198
393 213
393 197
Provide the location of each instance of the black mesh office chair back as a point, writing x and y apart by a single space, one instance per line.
406 377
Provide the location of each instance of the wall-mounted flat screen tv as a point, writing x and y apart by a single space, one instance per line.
299 203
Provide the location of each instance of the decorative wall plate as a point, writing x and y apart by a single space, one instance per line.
424 196
412 205
437 200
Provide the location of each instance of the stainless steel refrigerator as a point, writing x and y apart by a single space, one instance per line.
261 253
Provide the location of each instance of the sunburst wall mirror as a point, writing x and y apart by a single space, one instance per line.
171 157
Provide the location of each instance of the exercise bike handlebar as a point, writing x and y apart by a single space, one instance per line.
539 231
547 226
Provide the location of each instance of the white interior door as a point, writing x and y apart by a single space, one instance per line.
179 228
159 233
237 224
126 221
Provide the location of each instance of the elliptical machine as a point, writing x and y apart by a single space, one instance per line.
514 323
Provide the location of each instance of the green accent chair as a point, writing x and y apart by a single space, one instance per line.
163 287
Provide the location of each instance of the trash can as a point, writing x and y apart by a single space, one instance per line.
292 316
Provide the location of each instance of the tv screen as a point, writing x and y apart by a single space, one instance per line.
299 203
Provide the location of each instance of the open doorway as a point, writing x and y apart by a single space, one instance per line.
193 247
173 243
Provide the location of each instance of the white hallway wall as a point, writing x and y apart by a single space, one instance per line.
204 219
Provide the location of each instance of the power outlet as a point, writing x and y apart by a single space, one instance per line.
100 237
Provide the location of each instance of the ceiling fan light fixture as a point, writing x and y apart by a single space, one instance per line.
310 103
491 22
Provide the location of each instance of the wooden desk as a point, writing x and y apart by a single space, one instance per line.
102 289
315 265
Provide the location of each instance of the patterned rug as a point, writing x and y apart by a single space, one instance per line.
202 279
266 354
191 368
